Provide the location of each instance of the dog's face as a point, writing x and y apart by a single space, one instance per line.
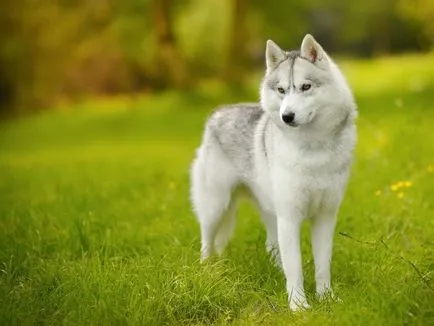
299 87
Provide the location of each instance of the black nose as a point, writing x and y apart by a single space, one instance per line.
288 118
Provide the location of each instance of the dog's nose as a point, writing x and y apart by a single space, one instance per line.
288 117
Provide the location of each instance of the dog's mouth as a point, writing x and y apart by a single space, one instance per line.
293 124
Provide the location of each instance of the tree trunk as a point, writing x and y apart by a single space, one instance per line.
170 65
382 28
237 54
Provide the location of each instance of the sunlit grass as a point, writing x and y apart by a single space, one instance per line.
409 73
96 226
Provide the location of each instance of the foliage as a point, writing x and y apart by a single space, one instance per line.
422 11
63 50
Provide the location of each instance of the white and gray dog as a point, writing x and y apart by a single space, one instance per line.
291 154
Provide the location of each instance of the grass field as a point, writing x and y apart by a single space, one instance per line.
96 226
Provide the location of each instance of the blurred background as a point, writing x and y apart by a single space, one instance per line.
60 51
111 96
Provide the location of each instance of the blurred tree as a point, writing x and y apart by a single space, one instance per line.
367 24
203 31
8 56
32 52
66 49
284 21
168 58
237 59
423 12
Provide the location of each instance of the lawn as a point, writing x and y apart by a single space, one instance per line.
96 226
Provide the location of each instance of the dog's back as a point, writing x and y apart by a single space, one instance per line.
232 127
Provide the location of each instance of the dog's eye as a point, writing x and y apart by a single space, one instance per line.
281 90
305 87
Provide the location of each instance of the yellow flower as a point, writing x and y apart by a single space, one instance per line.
378 193
394 187
400 184
408 184
430 168
400 195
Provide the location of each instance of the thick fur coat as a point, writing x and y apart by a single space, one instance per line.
291 153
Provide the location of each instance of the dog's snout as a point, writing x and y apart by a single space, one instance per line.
288 117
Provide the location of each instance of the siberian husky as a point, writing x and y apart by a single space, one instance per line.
292 153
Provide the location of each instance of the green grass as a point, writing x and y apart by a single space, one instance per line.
96 226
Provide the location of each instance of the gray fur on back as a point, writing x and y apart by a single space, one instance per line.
233 127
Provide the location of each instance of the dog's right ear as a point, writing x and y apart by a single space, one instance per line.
274 55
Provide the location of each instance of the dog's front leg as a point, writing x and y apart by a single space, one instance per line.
288 226
322 230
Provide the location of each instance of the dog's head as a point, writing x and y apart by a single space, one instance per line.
304 87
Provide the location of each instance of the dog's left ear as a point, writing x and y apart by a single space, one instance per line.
311 50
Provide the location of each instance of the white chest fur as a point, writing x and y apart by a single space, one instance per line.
311 173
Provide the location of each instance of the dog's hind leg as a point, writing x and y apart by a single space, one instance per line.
211 196
226 227
215 222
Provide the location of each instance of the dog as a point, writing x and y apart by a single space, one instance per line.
291 153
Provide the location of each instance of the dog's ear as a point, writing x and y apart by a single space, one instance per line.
274 55
311 50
